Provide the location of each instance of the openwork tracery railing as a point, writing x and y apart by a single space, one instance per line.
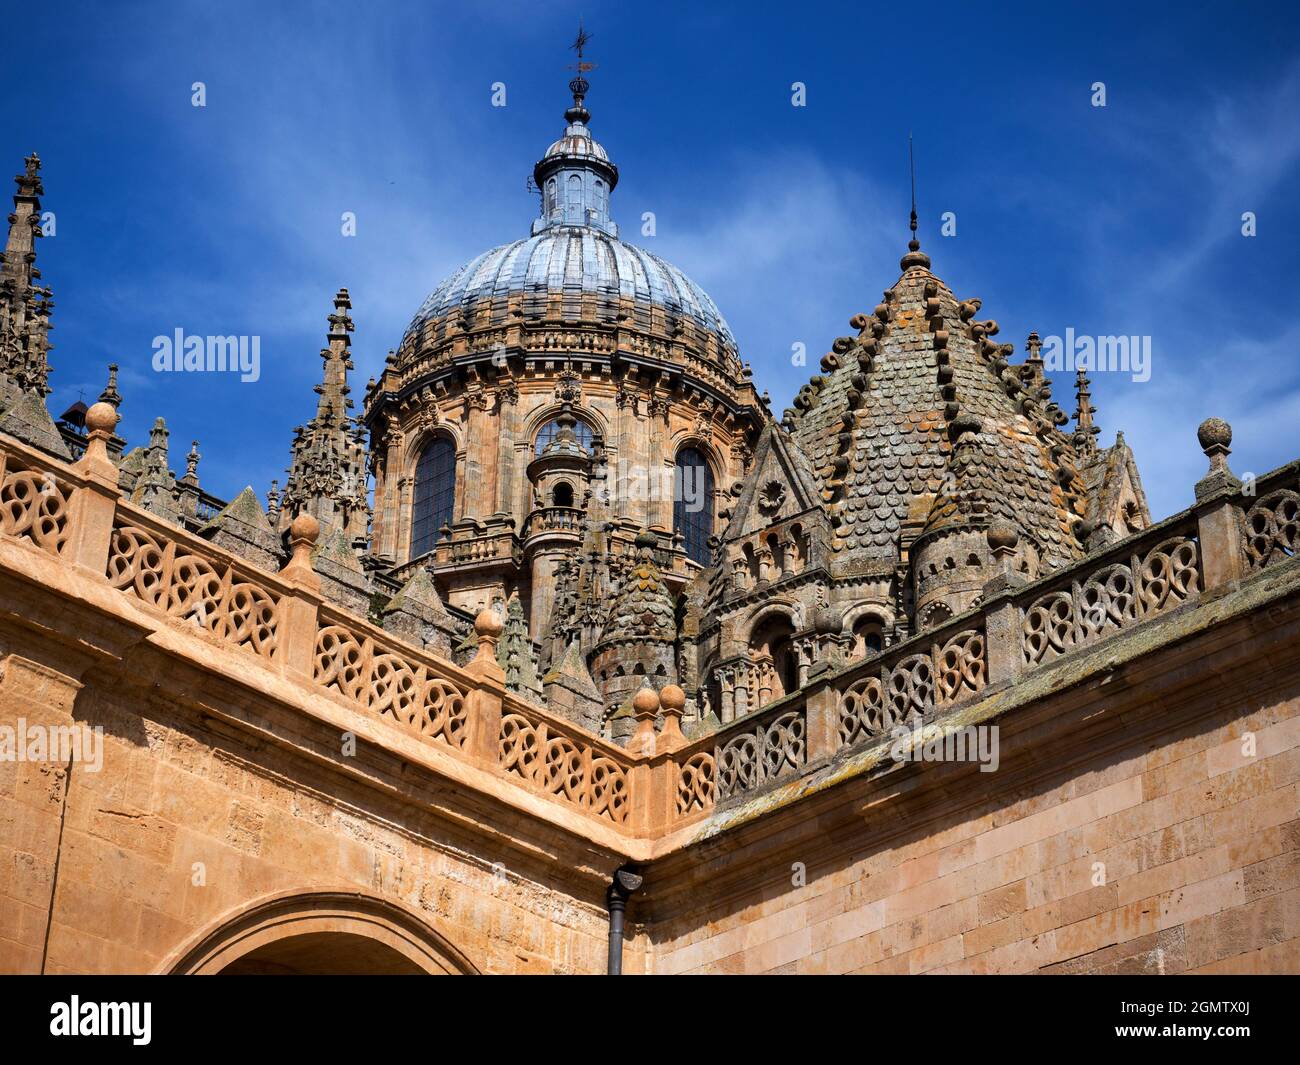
759 754
697 784
204 589
913 680
1273 527
71 513
1113 596
564 766
34 504
383 681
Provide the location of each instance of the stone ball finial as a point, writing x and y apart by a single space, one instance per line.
1002 535
304 528
672 699
1214 435
646 539
645 703
101 418
488 623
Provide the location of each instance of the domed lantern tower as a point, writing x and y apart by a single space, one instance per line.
570 335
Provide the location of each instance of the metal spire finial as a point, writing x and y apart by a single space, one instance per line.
579 84
915 256
914 244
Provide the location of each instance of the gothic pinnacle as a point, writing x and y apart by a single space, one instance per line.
1085 432
110 394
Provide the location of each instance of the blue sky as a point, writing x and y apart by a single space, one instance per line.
226 219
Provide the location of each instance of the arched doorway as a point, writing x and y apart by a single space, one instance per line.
323 954
325 933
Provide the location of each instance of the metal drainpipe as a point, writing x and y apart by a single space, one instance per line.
625 882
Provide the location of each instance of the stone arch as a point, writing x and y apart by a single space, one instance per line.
761 613
770 645
855 613
935 614
390 934
684 438
548 412
422 438
563 494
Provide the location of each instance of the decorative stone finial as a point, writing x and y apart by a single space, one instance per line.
101 418
1215 436
645 704
1002 537
110 394
488 625
303 532
645 707
1086 430
672 703
192 462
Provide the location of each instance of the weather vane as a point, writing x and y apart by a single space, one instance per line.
578 45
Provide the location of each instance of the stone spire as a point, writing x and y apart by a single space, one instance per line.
24 305
110 394
515 653
155 489
327 475
1085 432
1034 361
25 323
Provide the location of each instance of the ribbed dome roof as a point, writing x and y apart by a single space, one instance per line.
573 255
577 142
576 260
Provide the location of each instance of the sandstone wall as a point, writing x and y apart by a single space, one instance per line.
1200 852
98 870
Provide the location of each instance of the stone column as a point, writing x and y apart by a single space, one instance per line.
300 612
507 426
822 719
94 505
1002 635
1219 517
484 702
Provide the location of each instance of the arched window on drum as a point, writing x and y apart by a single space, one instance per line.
693 504
435 494
547 433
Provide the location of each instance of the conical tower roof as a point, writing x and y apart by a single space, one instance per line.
921 413
642 608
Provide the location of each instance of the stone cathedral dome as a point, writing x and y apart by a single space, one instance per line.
573 269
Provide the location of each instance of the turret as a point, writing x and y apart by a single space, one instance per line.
638 642
575 176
